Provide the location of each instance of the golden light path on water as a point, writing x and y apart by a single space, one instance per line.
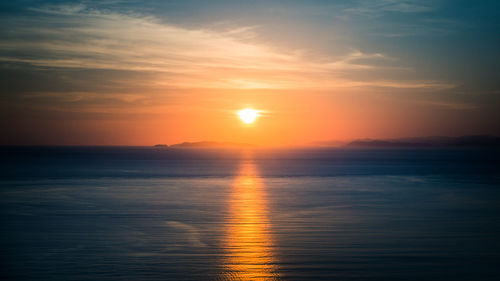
249 243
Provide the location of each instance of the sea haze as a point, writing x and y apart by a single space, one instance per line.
156 213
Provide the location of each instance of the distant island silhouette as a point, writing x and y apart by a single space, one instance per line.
207 144
436 141
161 145
432 141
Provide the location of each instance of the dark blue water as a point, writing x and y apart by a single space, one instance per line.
139 213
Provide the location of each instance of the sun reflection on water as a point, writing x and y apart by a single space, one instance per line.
249 242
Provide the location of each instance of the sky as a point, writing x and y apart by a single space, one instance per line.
126 72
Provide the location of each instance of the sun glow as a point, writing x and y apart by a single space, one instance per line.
248 115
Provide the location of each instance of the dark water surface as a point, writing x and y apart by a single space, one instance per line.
138 213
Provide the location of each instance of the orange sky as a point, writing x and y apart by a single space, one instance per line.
287 118
86 75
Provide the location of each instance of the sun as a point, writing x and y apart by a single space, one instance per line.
248 115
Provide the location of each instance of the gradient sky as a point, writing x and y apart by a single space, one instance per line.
147 72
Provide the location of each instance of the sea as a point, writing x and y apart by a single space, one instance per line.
157 213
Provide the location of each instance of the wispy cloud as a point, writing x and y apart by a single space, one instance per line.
77 37
378 7
85 96
448 105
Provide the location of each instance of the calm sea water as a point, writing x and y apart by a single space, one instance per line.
139 213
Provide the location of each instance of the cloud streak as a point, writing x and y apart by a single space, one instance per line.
378 7
77 37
